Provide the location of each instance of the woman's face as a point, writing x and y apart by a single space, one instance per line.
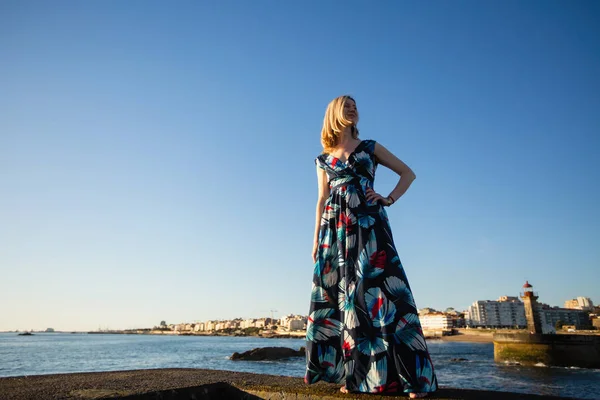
350 111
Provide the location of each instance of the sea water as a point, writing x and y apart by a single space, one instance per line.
51 353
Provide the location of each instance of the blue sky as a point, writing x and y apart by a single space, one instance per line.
157 159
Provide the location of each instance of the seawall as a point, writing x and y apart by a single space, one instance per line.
552 350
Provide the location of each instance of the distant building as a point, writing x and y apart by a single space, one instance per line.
506 312
572 304
247 323
293 322
234 324
297 325
435 321
458 320
508 298
580 303
550 316
596 323
49 330
253 323
209 326
180 328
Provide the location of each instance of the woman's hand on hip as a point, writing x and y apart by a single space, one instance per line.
372 196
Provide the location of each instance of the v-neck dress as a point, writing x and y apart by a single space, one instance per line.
363 327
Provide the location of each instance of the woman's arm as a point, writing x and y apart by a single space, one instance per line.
407 176
323 195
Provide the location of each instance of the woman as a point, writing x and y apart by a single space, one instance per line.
363 328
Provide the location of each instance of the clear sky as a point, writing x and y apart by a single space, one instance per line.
157 158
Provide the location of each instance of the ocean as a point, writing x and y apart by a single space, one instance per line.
52 353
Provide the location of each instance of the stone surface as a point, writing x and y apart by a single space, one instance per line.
199 384
268 353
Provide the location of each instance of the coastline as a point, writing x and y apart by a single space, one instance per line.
467 336
266 335
485 337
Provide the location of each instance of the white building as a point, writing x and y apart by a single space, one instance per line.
231 324
199 327
506 312
180 328
297 325
219 326
580 303
247 323
293 322
209 326
435 322
250 323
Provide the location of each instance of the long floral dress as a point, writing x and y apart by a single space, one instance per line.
363 327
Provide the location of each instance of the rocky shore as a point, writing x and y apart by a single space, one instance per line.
202 384
268 353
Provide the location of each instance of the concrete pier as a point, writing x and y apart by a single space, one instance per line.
175 384
551 350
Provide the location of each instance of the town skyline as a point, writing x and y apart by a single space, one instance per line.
272 314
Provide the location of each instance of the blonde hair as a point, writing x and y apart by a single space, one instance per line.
334 123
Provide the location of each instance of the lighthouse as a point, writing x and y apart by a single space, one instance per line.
534 324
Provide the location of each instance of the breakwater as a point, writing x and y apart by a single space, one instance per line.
175 384
552 350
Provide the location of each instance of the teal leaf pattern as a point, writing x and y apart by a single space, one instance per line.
371 345
408 332
319 295
330 364
346 303
364 268
321 326
376 377
381 311
398 290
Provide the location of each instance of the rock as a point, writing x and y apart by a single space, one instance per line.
458 359
268 353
